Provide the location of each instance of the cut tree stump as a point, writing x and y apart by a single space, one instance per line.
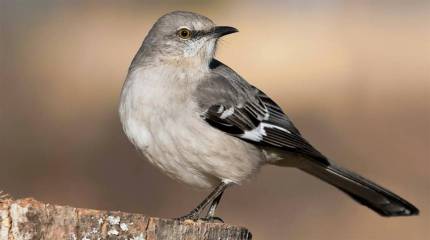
25 219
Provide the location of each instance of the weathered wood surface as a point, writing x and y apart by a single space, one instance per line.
30 219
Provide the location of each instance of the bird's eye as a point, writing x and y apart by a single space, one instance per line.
184 33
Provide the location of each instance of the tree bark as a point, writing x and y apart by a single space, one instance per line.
25 219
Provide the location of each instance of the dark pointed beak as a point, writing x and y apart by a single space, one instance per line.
220 31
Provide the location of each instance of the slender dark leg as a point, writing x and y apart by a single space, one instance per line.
210 216
210 199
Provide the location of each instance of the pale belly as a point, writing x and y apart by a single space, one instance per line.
190 151
163 123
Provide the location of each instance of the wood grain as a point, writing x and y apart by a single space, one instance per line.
26 219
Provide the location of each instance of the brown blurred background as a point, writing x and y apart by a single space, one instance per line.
353 75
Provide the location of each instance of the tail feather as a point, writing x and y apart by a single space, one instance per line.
364 191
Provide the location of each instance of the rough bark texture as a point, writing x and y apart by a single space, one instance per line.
30 219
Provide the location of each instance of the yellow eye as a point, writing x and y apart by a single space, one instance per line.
184 33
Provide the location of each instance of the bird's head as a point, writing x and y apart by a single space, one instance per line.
182 38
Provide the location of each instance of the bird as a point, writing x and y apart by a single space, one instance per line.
204 125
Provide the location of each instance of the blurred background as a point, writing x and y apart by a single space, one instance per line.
353 75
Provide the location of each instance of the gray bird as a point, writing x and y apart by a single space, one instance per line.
204 125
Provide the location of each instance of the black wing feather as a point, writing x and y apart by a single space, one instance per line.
266 119
241 110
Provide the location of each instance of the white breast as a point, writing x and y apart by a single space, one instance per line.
161 119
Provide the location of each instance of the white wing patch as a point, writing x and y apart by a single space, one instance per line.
227 113
259 132
220 109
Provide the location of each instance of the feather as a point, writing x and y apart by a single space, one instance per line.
233 106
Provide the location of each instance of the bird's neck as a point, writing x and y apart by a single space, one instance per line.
192 65
197 60
178 77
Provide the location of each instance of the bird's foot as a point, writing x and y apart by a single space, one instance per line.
193 215
212 219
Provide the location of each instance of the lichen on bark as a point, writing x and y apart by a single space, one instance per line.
26 219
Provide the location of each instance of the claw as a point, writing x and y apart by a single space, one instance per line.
212 219
194 216
212 201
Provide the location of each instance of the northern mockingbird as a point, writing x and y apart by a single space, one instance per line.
202 124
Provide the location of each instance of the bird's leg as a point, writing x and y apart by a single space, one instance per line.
210 216
210 199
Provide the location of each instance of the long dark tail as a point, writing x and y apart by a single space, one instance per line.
362 190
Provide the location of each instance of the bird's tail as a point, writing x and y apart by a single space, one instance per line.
362 190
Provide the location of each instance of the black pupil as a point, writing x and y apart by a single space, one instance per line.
184 33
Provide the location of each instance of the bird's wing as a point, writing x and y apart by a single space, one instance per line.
235 107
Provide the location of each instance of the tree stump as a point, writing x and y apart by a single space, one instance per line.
26 219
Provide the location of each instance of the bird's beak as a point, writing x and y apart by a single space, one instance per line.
220 31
